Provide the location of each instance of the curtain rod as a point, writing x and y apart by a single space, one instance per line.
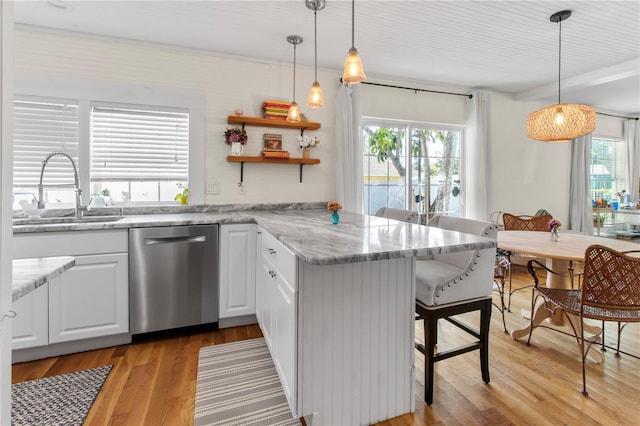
617 116
414 89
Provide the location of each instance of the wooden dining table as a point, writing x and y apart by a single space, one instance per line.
560 256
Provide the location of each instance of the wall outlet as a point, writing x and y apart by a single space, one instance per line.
242 188
213 188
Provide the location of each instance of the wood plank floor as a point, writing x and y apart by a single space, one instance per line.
153 382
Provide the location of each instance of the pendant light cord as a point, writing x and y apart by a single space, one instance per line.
294 72
559 55
315 41
353 23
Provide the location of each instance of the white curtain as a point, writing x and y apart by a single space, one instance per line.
632 142
580 210
348 119
477 179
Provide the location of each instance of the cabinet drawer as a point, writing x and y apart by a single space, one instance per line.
72 243
283 259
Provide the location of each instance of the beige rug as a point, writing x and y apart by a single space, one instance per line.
238 385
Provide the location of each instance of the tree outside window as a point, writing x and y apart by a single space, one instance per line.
431 184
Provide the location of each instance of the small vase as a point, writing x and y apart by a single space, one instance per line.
554 235
306 153
335 218
236 148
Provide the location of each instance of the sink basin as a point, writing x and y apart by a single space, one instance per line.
68 219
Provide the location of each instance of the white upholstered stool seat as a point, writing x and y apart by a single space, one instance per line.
449 284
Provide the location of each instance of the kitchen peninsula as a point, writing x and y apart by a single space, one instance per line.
344 343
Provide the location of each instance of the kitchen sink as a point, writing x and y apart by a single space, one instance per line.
67 219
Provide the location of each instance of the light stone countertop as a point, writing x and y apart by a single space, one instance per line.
307 231
29 274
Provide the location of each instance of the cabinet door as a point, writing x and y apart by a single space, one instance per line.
285 336
237 270
266 285
30 327
91 299
260 277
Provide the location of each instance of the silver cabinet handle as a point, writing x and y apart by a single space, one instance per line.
273 274
271 251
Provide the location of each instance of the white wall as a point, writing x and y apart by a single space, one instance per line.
226 83
526 175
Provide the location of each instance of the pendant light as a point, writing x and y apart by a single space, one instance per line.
315 99
561 122
353 71
294 110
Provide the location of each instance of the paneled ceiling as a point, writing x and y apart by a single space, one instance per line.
504 46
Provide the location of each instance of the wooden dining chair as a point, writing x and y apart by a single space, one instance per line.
521 223
610 291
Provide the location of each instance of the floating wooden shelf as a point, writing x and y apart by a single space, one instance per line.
248 159
265 122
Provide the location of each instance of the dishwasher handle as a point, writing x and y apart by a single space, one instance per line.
171 240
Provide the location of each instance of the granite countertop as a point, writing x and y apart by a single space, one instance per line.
307 231
29 274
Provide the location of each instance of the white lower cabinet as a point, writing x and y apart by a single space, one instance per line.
276 293
31 324
89 300
237 270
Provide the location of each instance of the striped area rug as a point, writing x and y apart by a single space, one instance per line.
238 385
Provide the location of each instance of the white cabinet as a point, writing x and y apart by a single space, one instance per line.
31 323
276 290
237 270
89 300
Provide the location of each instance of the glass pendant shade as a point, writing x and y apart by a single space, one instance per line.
353 71
561 122
315 99
294 112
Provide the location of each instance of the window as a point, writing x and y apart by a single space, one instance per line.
139 154
607 168
42 126
136 154
414 166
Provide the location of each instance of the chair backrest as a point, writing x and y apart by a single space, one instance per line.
398 214
526 223
611 279
468 226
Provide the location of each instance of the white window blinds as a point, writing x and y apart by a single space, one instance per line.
42 126
138 144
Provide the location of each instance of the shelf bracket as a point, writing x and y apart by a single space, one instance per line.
301 172
241 173
301 132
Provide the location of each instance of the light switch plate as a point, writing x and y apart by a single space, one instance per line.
213 188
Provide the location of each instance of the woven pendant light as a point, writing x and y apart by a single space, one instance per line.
561 122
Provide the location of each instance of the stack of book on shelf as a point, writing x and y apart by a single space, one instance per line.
275 110
272 146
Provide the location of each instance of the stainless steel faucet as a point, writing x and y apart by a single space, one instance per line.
76 180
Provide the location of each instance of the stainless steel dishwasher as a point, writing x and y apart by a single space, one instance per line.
173 277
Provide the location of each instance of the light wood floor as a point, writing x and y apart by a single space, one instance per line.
153 382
